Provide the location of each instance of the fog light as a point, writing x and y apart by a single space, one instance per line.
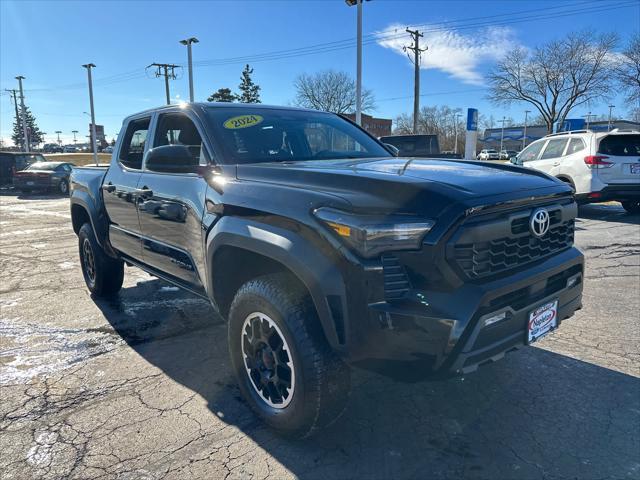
495 318
572 281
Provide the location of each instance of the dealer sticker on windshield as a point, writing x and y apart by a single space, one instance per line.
542 320
242 121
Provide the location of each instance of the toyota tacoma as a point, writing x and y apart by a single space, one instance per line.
323 250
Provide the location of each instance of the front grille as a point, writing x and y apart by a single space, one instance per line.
396 282
486 258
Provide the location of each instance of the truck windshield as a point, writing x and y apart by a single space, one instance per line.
256 135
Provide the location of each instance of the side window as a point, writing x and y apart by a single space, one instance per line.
133 143
575 145
531 152
178 129
554 148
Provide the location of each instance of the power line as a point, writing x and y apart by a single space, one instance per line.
460 24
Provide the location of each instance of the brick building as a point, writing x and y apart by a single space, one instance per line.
378 127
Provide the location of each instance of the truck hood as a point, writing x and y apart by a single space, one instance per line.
407 183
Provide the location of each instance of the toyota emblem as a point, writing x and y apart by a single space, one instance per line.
539 222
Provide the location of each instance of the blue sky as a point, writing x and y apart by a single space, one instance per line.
48 41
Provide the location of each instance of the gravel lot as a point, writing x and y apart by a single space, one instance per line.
141 388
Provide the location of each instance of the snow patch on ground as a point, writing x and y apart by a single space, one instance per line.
28 350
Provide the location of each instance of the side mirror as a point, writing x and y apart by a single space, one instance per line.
395 151
515 160
171 159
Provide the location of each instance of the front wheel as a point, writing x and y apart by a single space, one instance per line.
102 274
631 206
285 368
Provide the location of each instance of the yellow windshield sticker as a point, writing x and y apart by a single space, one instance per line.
242 121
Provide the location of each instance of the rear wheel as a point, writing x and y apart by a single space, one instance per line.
285 368
631 206
102 274
63 187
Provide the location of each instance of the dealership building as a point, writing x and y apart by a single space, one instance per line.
512 136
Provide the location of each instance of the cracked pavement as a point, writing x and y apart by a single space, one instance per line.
140 387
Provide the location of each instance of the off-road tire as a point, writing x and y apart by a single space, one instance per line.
631 206
322 380
102 273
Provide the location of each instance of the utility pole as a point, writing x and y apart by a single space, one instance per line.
588 117
524 136
166 70
14 95
74 136
504 119
23 112
415 48
94 147
455 125
188 43
611 107
59 132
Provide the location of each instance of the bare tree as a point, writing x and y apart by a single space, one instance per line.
330 91
556 77
627 70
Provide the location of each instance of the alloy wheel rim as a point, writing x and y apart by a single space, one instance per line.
88 260
267 360
63 187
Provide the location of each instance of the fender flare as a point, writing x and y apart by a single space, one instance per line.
98 221
320 276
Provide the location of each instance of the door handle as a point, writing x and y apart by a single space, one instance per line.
109 188
556 164
144 192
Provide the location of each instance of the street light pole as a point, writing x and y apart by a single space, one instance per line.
94 147
611 107
188 42
524 136
358 3
59 132
23 116
455 125
504 119
74 136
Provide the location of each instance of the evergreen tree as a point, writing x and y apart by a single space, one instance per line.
223 95
33 132
250 92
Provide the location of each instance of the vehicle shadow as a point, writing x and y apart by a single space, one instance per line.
35 195
612 212
536 414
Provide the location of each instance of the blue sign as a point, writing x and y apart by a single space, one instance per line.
472 119
572 124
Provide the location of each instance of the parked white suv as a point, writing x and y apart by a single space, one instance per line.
488 154
599 166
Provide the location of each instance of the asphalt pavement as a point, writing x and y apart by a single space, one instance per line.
140 387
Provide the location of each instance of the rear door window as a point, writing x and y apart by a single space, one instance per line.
575 145
133 143
531 152
620 145
554 148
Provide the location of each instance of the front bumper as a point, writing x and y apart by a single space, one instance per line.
444 333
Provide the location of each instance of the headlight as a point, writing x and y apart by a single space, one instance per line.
371 234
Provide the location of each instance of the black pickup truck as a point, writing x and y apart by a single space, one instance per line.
322 249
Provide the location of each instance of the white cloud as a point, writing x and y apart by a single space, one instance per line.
451 52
